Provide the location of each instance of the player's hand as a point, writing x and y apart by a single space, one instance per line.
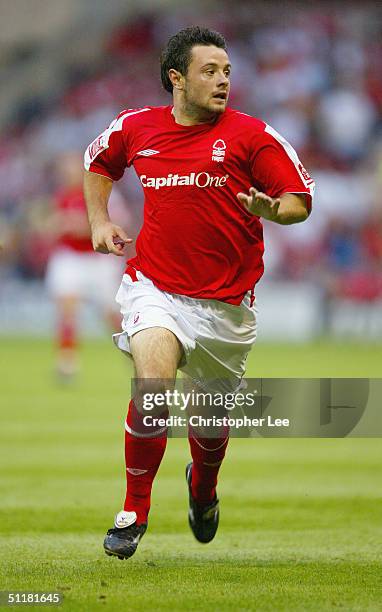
109 238
260 204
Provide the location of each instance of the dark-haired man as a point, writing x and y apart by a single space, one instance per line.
209 173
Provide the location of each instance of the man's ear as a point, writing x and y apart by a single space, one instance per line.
176 78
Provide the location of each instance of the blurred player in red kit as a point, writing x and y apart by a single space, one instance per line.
75 272
209 174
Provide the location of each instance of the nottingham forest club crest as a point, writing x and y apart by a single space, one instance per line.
218 150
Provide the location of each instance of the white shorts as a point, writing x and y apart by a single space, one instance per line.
216 337
86 275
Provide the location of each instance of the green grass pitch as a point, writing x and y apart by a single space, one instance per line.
300 525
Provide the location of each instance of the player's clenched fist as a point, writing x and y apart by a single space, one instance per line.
260 204
109 238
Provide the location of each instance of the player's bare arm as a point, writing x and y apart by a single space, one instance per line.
287 209
106 236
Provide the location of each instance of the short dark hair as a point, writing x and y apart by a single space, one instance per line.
177 54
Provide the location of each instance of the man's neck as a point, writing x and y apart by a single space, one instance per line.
188 117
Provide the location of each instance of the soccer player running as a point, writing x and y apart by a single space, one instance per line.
74 271
209 175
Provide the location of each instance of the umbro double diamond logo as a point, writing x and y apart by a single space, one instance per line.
147 152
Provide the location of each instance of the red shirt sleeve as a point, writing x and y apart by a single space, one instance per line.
276 168
106 155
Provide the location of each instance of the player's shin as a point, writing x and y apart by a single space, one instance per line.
144 449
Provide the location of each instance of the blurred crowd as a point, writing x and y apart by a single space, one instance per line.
313 71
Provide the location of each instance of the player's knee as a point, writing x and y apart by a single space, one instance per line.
151 395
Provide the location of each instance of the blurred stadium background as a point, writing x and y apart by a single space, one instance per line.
313 70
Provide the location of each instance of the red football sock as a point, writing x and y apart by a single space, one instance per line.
144 449
67 334
207 456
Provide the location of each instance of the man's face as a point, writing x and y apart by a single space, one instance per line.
206 84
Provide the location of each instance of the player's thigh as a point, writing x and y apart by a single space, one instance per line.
156 352
67 305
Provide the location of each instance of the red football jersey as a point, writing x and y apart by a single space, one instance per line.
197 239
72 201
